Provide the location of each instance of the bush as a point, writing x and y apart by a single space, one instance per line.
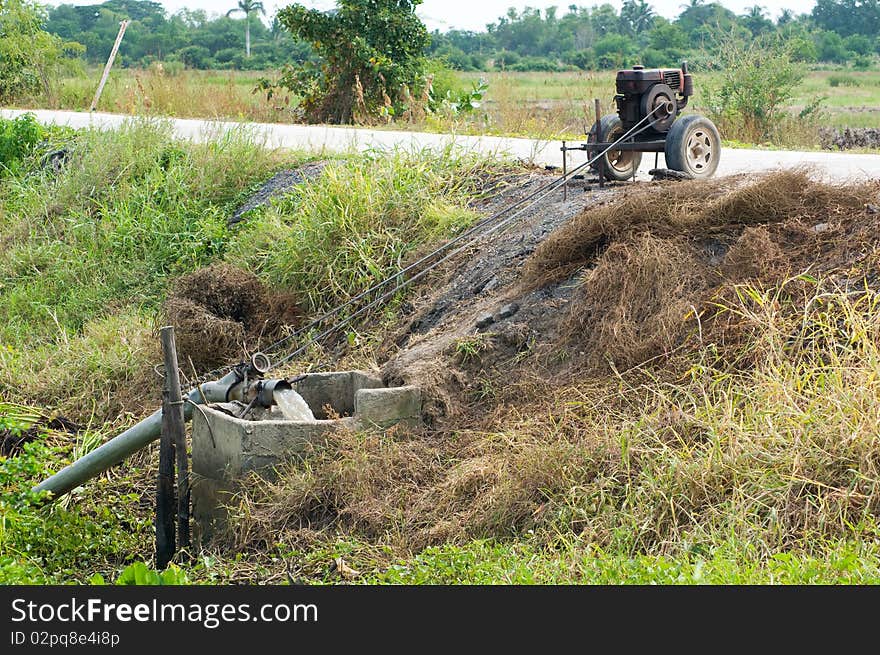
612 51
542 64
506 59
843 80
373 61
196 56
831 48
859 44
756 81
583 59
18 138
29 56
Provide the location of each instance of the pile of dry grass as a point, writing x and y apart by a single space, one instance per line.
657 260
221 311
695 209
634 304
783 456
772 443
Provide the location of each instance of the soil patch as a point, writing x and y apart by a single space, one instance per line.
12 442
618 278
849 138
280 184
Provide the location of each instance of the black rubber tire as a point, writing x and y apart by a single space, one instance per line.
619 165
693 146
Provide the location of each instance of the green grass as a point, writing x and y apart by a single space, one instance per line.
487 562
88 256
761 473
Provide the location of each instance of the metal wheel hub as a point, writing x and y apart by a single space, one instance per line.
620 160
699 150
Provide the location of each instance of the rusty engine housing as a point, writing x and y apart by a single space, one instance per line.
665 91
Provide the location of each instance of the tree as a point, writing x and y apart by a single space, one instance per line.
786 16
755 21
847 17
372 60
247 7
636 15
29 55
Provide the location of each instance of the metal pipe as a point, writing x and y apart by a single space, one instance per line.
132 440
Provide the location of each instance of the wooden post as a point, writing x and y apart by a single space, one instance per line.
601 168
177 428
109 65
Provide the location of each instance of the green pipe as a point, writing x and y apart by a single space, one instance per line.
132 440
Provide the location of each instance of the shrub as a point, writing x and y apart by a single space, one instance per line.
756 81
18 138
29 56
373 60
843 80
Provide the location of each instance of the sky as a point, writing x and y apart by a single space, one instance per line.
474 15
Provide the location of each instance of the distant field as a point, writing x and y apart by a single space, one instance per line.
561 100
549 105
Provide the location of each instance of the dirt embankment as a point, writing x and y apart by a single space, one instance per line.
532 351
623 281
849 138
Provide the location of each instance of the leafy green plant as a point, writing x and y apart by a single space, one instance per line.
755 82
461 102
373 64
29 56
140 574
18 138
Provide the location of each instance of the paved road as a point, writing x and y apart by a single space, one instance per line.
830 165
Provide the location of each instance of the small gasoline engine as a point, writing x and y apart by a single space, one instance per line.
649 103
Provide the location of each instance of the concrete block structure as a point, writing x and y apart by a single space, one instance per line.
225 448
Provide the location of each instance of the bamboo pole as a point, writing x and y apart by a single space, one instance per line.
109 65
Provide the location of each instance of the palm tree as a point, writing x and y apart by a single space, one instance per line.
247 8
638 14
785 17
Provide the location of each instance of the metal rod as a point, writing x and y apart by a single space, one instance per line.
174 422
109 65
166 543
601 168
564 171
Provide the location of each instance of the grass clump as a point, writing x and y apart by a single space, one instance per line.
842 79
359 222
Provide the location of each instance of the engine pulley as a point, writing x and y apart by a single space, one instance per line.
660 99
